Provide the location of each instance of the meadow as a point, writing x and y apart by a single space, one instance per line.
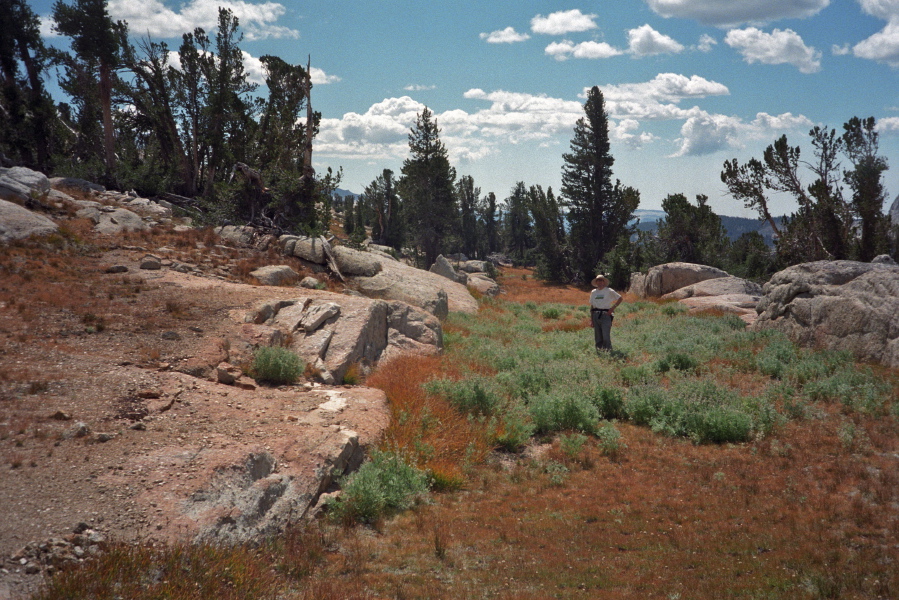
697 460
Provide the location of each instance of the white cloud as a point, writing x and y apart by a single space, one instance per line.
883 46
775 48
664 87
706 42
504 36
622 132
257 21
419 88
888 126
253 67
646 41
838 50
319 77
706 133
562 22
731 13
565 49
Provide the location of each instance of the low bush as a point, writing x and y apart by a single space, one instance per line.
563 410
477 395
384 485
276 365
609 440
514 429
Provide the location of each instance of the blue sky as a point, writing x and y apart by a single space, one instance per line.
688 83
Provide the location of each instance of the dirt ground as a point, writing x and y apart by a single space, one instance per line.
109 422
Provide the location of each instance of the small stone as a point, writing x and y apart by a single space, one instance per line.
139 426
151 263
116 269
61 416
32 569
172 336
105 437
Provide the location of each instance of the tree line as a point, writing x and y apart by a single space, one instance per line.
197 128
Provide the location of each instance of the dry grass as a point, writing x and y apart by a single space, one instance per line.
443 441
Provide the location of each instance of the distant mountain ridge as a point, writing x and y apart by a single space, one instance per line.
735 226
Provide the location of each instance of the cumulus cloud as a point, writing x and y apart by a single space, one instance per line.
562 22
775 48
888 126
152 17
728 13
838 50
646 41
319 77
705 43
883 46
664 87
567 49
706 133
419 88
504 36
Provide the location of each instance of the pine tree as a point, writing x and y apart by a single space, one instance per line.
467 195
426 188
598 210
518 224
98 42
549 234
692 234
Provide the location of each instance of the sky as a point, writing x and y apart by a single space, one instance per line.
688 84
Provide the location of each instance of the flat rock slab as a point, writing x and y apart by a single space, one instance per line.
18 223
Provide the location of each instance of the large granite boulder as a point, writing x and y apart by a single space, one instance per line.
664 279
356 262
109 220
21 185
443 268
842 304
434 293
275 275
719 286
18 223
73 185
894 211
483 284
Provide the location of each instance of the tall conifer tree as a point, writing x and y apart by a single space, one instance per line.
598 210
426 188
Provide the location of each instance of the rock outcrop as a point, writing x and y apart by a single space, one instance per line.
18 223
664 279
836 304
443 268
435 294
22 185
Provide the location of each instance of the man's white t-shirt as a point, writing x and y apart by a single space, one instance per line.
604 298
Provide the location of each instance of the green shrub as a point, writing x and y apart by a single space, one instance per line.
476 395
673 309
562 409
610 403
631 375
276 365
384 485
572 444
514 430
609 439
857 389
551 313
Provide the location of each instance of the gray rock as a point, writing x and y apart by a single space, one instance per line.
836 304
116 269
116 220
22 185
443 268
311 249
719 286
17 223
356 262
483 284
239 236
310 283
316 314
475 266
894 211
664 279
73 184
151 263
883 259
437 295
411 331
275 275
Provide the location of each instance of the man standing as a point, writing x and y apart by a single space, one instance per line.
603 302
